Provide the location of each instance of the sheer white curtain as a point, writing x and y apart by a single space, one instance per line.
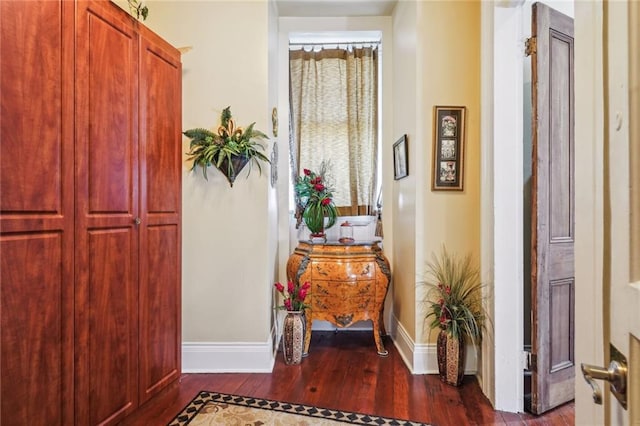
334 118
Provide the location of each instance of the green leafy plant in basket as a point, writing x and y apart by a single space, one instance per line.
228 149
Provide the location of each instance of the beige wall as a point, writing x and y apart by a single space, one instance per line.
449 58
229 238
228 246
444 39
402 200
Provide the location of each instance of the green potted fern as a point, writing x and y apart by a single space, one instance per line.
229 149
456 308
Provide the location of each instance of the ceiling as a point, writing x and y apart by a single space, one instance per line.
326 8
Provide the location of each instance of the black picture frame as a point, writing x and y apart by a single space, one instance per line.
400 158
449 125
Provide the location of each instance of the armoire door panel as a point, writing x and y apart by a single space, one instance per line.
112 315
107 239
31 120
33 320
160 205
37 217
160 133
160 319
111 114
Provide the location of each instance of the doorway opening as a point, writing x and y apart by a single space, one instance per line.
335 118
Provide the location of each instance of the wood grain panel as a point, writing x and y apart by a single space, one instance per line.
107 240
344 270
552 219
36 220
561 140
160 205
32 114
111 108
561 300
112 316
160 317
33 324
346 288
160 132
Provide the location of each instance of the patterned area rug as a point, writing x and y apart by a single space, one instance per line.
211 408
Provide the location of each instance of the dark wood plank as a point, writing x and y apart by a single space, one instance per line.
344 372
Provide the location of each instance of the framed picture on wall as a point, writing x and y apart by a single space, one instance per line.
400 158
448 148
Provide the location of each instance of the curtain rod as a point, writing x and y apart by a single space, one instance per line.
336 43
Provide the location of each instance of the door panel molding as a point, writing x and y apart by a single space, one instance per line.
552 219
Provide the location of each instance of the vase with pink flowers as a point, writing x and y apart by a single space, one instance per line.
293 330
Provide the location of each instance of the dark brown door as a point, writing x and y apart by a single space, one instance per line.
552 245
36 220
106 212
160 202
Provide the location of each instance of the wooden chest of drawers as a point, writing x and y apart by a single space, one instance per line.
349 283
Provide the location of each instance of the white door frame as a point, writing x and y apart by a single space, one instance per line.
502 205
502 42
589 202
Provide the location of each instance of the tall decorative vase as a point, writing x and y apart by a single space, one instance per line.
293 337
450 358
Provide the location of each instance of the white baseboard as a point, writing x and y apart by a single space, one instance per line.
259 357
422 358
231 357
215 357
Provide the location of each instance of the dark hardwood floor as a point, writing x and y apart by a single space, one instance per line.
344 372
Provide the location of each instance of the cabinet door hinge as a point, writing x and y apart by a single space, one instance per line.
530 361
530 46
533 362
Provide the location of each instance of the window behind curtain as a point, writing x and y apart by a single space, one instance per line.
334 118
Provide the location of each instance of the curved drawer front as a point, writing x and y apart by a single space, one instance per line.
344 289
340 270
341 306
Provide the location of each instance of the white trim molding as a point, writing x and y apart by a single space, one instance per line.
216 357
229 357
422 358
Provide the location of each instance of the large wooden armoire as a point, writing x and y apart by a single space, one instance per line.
90 199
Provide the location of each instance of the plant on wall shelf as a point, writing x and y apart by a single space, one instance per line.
229 149
138 9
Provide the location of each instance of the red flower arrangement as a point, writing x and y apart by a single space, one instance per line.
315 200
294 295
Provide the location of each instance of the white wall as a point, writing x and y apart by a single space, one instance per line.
229 251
